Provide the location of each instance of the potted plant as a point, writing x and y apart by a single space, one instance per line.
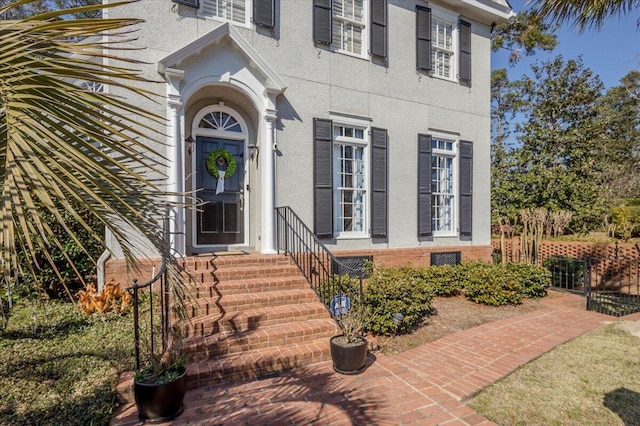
160 386
349 349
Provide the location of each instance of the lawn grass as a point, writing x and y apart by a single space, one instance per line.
58 367
592 380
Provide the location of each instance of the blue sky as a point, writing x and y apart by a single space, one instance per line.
611 52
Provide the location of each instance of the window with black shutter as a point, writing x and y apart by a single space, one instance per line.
379 28
423 38
466 189
424 187
322 178
379 174
322 21
264 13
465 53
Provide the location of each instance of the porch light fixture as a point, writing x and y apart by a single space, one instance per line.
253 151
189 140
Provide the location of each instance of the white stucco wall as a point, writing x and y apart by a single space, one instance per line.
320 82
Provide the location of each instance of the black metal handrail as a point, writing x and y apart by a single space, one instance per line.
161 278
155 321
320 267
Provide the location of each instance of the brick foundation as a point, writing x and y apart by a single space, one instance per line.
418 256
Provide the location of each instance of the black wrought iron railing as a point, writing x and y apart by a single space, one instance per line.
330 277
151 315
151 319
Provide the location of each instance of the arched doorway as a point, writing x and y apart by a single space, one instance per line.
221 219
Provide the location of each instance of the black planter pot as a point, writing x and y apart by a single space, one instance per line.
158 403
348 358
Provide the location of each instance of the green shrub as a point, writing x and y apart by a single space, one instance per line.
391 290
489 284
339 285
47 280
533 279
442 279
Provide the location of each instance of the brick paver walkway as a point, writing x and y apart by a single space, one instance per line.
424 386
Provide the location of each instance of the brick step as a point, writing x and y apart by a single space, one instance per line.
204 262
254 318
257 363
211 276
251 285
240 302
224 343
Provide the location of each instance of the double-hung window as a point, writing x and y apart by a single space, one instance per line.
350 180
235 11
443 186
442 52
348 21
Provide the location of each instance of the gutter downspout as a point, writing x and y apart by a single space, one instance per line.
103 259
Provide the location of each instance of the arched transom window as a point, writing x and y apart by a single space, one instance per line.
221 121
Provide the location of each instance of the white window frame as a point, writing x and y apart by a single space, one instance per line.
445 17
453 154
248 15
365 144
365 31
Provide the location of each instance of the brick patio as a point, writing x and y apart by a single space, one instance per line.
427 385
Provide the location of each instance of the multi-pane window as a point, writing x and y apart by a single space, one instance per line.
350 180
442 51
443 186
229 10
348 25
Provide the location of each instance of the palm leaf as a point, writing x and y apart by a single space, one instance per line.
584 13
65 148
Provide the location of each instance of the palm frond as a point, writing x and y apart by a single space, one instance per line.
63 147
584 14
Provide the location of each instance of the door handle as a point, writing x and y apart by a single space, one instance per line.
241 200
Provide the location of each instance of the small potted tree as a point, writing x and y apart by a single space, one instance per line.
160 386
349 349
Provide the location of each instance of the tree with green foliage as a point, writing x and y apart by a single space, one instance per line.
505 103
35 7
65 149
619 109
523 33
558 160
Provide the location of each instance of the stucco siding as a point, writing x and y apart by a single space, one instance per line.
319 82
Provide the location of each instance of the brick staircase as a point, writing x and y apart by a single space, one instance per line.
252 315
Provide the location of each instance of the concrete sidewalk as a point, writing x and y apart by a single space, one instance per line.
424 386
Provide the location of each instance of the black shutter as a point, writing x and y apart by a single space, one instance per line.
423 38
322 21
424 187
466 189
465 53
323 178
191 3
379 28
379 173
264 13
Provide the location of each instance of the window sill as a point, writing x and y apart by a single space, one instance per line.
451 80
364 57
352 237
223 20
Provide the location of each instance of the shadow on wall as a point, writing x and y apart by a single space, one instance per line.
625 403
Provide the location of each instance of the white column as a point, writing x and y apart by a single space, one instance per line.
268 186
175 173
